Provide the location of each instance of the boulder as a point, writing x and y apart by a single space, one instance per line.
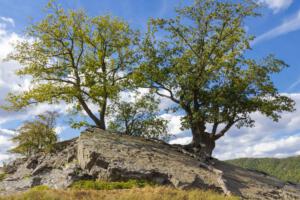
99 154
57 170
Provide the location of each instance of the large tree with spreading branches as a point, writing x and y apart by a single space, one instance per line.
82 61
197 60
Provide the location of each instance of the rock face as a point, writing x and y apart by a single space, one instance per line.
97 154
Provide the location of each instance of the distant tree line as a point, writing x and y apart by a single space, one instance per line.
286 169
196 60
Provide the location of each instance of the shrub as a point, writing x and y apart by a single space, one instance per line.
36 136
104 185
2 176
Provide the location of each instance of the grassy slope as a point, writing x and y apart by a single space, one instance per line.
147 193
287 169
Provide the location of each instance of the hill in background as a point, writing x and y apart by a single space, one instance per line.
286 169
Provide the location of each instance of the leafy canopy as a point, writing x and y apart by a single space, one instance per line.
139 118
36 136
75 59
199 63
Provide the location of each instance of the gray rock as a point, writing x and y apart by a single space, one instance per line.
56 170
98 154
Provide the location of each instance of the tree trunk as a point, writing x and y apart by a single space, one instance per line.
102 122
202 140
103 113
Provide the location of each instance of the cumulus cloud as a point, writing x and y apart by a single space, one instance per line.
8 20
277 5
10 82
266 139
290 25
174 124
5 143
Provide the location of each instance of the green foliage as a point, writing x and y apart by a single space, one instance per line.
104 185
200 65
197 60
40 188
2 176
75 59
286 169
36 136
139 118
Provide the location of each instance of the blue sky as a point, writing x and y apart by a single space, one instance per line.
277 31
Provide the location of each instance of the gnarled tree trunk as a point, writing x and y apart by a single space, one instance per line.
202 141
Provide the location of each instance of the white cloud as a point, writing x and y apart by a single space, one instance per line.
59 129
266 139
277 5
290 25
8 20
174 123
182 140
5 143
10 82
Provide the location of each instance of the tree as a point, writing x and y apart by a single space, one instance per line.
36 136
139 118
199 63
75 59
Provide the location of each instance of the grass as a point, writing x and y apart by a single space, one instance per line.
39 188
104 185
146 193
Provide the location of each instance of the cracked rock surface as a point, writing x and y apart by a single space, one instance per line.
98 154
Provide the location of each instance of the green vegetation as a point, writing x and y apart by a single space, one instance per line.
83 61
75 59
104 185
2 176
147 193
36 136
40 188
286 169
199 63
196 60
139 118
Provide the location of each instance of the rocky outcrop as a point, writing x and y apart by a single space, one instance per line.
97 154
56 170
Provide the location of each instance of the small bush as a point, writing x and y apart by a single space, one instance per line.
2 176
104 185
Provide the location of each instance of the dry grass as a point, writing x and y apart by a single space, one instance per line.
147 193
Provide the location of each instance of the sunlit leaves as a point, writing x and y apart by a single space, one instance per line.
76 59
139 118
36 136
198 62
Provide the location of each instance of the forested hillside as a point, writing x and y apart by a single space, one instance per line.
287 169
